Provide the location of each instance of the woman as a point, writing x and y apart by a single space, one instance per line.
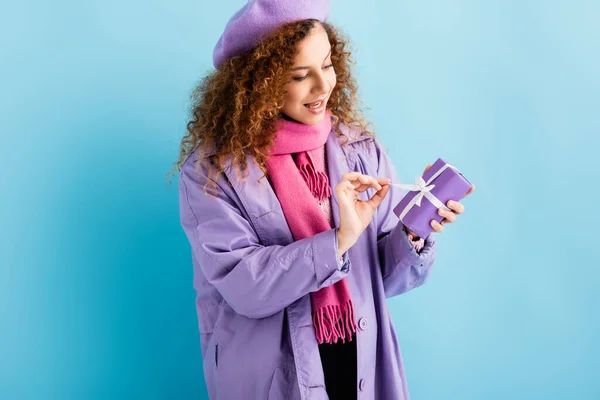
291 276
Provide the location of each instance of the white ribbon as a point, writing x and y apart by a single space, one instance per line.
424 189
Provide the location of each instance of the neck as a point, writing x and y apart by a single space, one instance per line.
288 118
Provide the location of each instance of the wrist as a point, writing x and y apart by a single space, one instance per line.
409 232
344 243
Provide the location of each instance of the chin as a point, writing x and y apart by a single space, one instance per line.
313 119
306 117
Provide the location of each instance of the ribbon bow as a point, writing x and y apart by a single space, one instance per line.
424 190
418 186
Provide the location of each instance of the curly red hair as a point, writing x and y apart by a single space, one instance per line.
235 107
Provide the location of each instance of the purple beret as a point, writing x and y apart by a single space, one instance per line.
258 18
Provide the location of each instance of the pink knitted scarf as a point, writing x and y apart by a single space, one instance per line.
298 182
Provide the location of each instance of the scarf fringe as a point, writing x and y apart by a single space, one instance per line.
333 322
317 182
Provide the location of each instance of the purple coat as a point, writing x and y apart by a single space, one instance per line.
253 283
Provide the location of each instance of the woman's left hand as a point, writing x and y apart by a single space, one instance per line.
455 207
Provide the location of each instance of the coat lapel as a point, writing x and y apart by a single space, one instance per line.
337 164
261 204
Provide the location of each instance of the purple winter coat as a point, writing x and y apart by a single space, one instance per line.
253 282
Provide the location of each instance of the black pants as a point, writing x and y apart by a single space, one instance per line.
339 366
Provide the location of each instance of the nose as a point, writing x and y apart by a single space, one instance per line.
322 86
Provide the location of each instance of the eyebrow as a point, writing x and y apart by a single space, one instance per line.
297 68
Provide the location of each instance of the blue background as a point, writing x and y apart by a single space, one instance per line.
96 297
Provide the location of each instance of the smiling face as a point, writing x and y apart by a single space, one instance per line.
312 79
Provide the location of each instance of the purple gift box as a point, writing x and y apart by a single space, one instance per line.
441 183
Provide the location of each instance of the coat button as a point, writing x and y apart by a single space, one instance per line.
362 324
361 385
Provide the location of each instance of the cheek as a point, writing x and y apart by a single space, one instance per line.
294 95
332 81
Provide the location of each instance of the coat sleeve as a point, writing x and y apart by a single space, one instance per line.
255 280
402 267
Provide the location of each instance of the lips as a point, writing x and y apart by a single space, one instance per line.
315 104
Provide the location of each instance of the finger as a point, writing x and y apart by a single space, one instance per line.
378 197
471 190
426 168
372 181
363 188
456 206
449 216
381 181
358 180
345 189
436 226
384 181
365 182
351 176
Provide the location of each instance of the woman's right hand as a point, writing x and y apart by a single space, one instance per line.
356 214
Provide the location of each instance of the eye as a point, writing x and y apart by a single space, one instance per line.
299 78
329 66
